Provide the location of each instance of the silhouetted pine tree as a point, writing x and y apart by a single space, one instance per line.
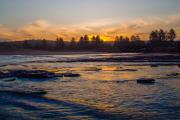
137 44
96 43
73 44
83 43
60 45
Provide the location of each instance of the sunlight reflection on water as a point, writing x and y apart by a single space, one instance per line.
108 86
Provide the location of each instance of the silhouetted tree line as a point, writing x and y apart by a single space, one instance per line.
159 41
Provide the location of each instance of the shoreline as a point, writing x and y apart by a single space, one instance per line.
43 52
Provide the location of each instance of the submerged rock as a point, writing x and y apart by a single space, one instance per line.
154 65
173 75
5 74
92 69
145 81
9 80
25 92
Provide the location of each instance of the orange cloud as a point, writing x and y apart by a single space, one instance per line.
107 28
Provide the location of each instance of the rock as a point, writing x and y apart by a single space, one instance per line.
36 74
71 74
59 74
67 74
32 74
154 65
146 81
130 70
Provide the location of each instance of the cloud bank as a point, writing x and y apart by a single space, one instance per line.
107 28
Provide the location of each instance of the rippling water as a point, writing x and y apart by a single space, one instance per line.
105 90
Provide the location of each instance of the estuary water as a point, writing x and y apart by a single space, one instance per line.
106 90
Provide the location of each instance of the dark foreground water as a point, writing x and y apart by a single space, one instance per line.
105 90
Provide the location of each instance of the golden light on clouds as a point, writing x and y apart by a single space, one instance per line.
106 28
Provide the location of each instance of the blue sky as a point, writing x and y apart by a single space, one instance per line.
16 14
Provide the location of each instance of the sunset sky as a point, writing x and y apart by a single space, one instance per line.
28 19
